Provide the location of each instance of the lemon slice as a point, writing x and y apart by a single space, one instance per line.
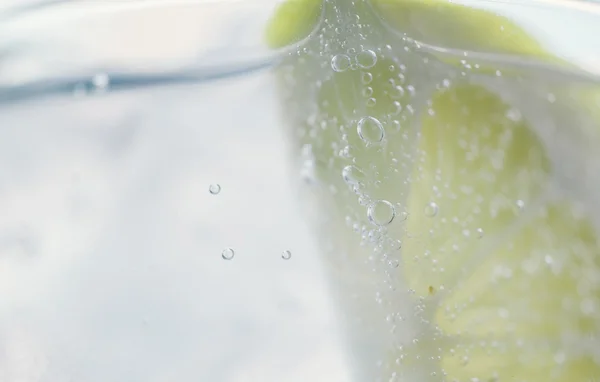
475 253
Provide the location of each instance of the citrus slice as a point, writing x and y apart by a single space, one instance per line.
475 253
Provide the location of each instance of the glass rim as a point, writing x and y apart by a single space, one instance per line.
26 35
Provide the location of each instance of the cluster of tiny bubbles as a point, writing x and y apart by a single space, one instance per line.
214 189
370 130
381 212
286 255
228 254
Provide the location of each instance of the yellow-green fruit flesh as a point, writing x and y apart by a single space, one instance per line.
504 266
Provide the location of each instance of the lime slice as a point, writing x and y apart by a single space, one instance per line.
475 250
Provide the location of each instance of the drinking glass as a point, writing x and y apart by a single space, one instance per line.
367 190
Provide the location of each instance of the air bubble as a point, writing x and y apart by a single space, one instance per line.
367 78
402 216
398 91
370 130
214 189
431 209
366 59
353 175
340 63
381 212
286 255
228 254
374 236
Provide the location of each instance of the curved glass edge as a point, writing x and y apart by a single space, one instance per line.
60 40
64 40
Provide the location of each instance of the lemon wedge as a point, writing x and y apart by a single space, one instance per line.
460 239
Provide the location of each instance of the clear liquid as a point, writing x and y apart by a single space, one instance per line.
112 233
113 246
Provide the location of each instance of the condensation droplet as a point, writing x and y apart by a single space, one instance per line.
370 130
228 254
520 204
214 189
431 209
480 232
381 212
366 59
286 255
340 63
